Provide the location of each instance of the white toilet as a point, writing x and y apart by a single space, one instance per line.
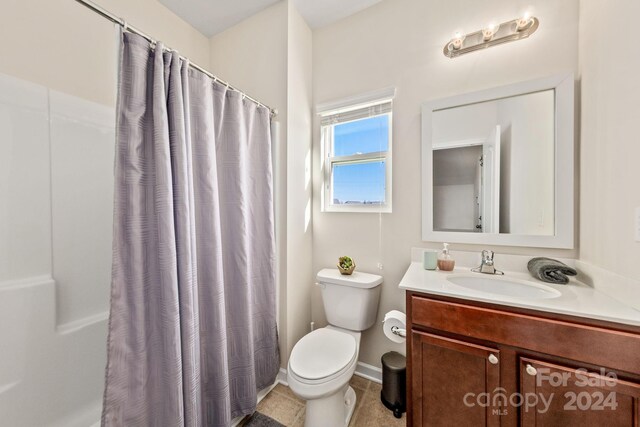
323 361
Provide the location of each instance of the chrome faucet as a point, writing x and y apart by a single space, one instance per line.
486 264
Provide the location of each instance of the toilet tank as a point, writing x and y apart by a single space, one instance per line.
350 301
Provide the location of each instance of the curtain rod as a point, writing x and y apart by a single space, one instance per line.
113 18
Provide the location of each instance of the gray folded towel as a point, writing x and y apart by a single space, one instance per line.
550 270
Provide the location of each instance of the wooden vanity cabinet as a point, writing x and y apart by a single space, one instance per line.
476 364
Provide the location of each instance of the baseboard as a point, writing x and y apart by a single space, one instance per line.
282 377
370 372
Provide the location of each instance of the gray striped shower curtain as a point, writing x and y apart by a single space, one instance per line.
192 329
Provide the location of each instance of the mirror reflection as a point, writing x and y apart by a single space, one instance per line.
494 166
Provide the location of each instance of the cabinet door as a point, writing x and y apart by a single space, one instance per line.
452 381
565 396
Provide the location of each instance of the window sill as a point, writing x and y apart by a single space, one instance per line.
356 209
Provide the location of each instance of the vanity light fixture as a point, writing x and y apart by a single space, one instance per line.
516 29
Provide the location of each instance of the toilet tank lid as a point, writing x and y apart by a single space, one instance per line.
357 279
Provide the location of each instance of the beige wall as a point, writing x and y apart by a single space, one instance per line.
62 45
610 150
400 44
299 225
253 56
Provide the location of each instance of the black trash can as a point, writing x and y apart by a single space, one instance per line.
394 383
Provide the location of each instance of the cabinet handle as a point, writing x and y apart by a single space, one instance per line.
531 370
493 359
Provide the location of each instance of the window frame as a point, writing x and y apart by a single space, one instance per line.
327 141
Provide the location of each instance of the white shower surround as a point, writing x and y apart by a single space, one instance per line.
56 162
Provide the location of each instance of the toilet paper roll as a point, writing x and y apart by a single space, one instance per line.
395 320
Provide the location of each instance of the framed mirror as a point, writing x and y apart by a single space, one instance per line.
498 166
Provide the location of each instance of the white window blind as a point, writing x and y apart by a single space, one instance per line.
342 116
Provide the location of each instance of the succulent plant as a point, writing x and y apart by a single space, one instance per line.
345 262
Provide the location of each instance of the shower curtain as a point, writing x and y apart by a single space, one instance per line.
192 329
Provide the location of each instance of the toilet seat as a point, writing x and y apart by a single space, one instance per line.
322 355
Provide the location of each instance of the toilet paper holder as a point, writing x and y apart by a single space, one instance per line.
394 326
401 332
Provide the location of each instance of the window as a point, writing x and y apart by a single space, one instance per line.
356 145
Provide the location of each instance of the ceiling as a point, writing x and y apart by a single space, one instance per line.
211 17
320 13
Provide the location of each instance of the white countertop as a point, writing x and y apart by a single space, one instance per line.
576 299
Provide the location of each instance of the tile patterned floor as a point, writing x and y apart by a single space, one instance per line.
283 406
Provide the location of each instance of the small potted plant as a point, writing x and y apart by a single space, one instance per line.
346 265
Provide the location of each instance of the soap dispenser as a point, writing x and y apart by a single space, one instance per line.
445 262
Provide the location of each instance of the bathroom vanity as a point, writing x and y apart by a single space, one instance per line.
563 355
497 169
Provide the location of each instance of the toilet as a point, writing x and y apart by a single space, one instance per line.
323 361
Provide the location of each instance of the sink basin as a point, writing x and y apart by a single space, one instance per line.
512 288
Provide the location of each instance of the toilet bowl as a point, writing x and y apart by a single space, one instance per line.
323 361
319 370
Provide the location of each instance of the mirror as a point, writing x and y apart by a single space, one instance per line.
498 166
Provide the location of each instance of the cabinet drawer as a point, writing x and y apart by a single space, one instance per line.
589 344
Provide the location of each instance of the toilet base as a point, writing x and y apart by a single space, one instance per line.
333 410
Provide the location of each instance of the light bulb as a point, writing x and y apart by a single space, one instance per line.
457 40
524 22
489 31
